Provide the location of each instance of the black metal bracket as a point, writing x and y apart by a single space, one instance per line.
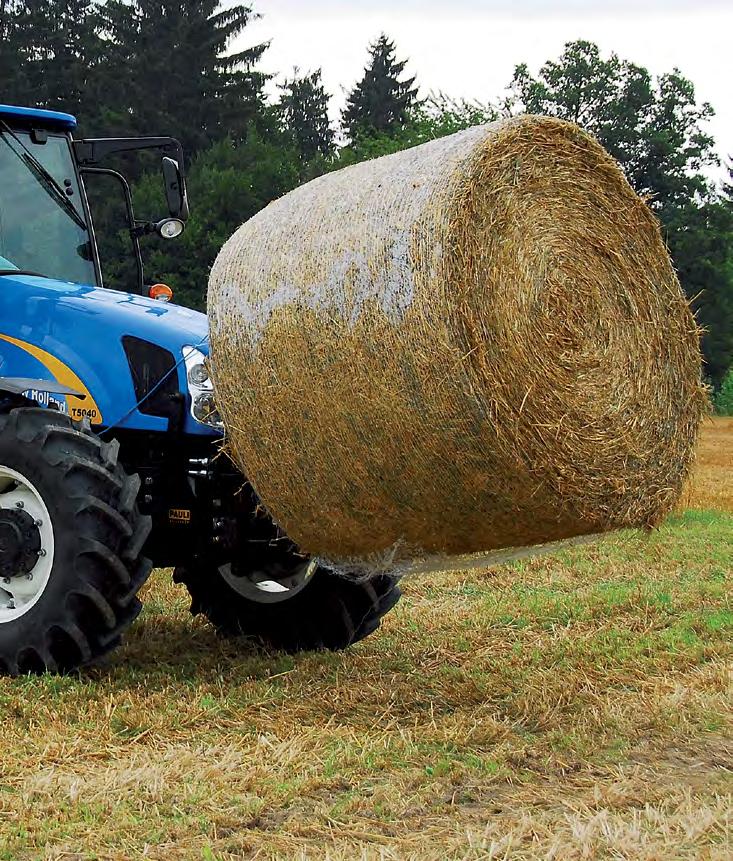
132 223
91 152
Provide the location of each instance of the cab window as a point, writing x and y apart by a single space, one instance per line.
43 227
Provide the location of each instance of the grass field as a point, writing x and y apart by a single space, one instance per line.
573 707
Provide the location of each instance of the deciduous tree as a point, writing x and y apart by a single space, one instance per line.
653 128
229 183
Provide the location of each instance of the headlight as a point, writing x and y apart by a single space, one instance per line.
204 409
201 389
198 375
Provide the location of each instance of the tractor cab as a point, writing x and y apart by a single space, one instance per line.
44 223
46 226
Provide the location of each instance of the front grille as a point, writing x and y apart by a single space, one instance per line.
149 365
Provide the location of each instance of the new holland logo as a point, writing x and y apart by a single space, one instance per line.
44 399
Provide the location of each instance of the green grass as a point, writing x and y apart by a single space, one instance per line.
518 703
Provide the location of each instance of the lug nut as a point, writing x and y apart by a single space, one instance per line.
29 576
19 505
6 579
11 605
41 552
38 523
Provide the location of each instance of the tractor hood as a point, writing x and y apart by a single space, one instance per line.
74 334
50 307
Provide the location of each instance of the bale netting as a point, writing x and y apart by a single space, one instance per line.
477 343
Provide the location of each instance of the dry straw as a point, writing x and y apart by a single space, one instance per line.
477 343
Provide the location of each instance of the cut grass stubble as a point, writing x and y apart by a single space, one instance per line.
571 707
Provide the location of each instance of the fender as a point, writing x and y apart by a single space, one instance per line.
19 385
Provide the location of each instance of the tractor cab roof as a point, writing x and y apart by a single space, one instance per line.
37 118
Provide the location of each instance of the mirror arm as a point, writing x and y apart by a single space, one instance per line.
90 152
142 228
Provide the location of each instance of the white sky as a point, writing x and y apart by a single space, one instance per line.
468 48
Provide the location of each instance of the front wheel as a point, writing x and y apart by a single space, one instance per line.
300 607
70 543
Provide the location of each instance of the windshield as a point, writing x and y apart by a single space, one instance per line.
42 223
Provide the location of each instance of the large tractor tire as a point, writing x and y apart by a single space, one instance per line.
70 543
294 608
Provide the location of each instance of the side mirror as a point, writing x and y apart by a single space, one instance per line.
175 189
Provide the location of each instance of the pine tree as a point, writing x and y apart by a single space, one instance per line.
728 184
11 68
380 103
168 72
303 113
53 49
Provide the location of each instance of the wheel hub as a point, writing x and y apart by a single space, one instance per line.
26 544
269 586
20 542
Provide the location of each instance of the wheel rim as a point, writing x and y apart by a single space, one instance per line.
259 586
18 593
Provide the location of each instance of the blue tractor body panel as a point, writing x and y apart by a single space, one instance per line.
53 330
37 117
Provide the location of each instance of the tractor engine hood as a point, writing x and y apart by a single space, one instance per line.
111 313
80 329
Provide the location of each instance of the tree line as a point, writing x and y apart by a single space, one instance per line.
162 67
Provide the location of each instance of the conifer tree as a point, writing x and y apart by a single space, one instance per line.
168 71
303 112
49 53
728 184
11 68
380 103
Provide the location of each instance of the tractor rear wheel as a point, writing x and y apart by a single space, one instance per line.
70 543
303 608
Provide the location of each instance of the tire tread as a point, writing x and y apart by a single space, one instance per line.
331 613
108 538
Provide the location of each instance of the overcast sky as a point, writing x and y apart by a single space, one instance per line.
468 48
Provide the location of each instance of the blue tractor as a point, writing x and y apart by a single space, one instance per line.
110 442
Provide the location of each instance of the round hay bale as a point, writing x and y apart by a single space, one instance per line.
476 343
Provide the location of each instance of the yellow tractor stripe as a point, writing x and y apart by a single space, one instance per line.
63 374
